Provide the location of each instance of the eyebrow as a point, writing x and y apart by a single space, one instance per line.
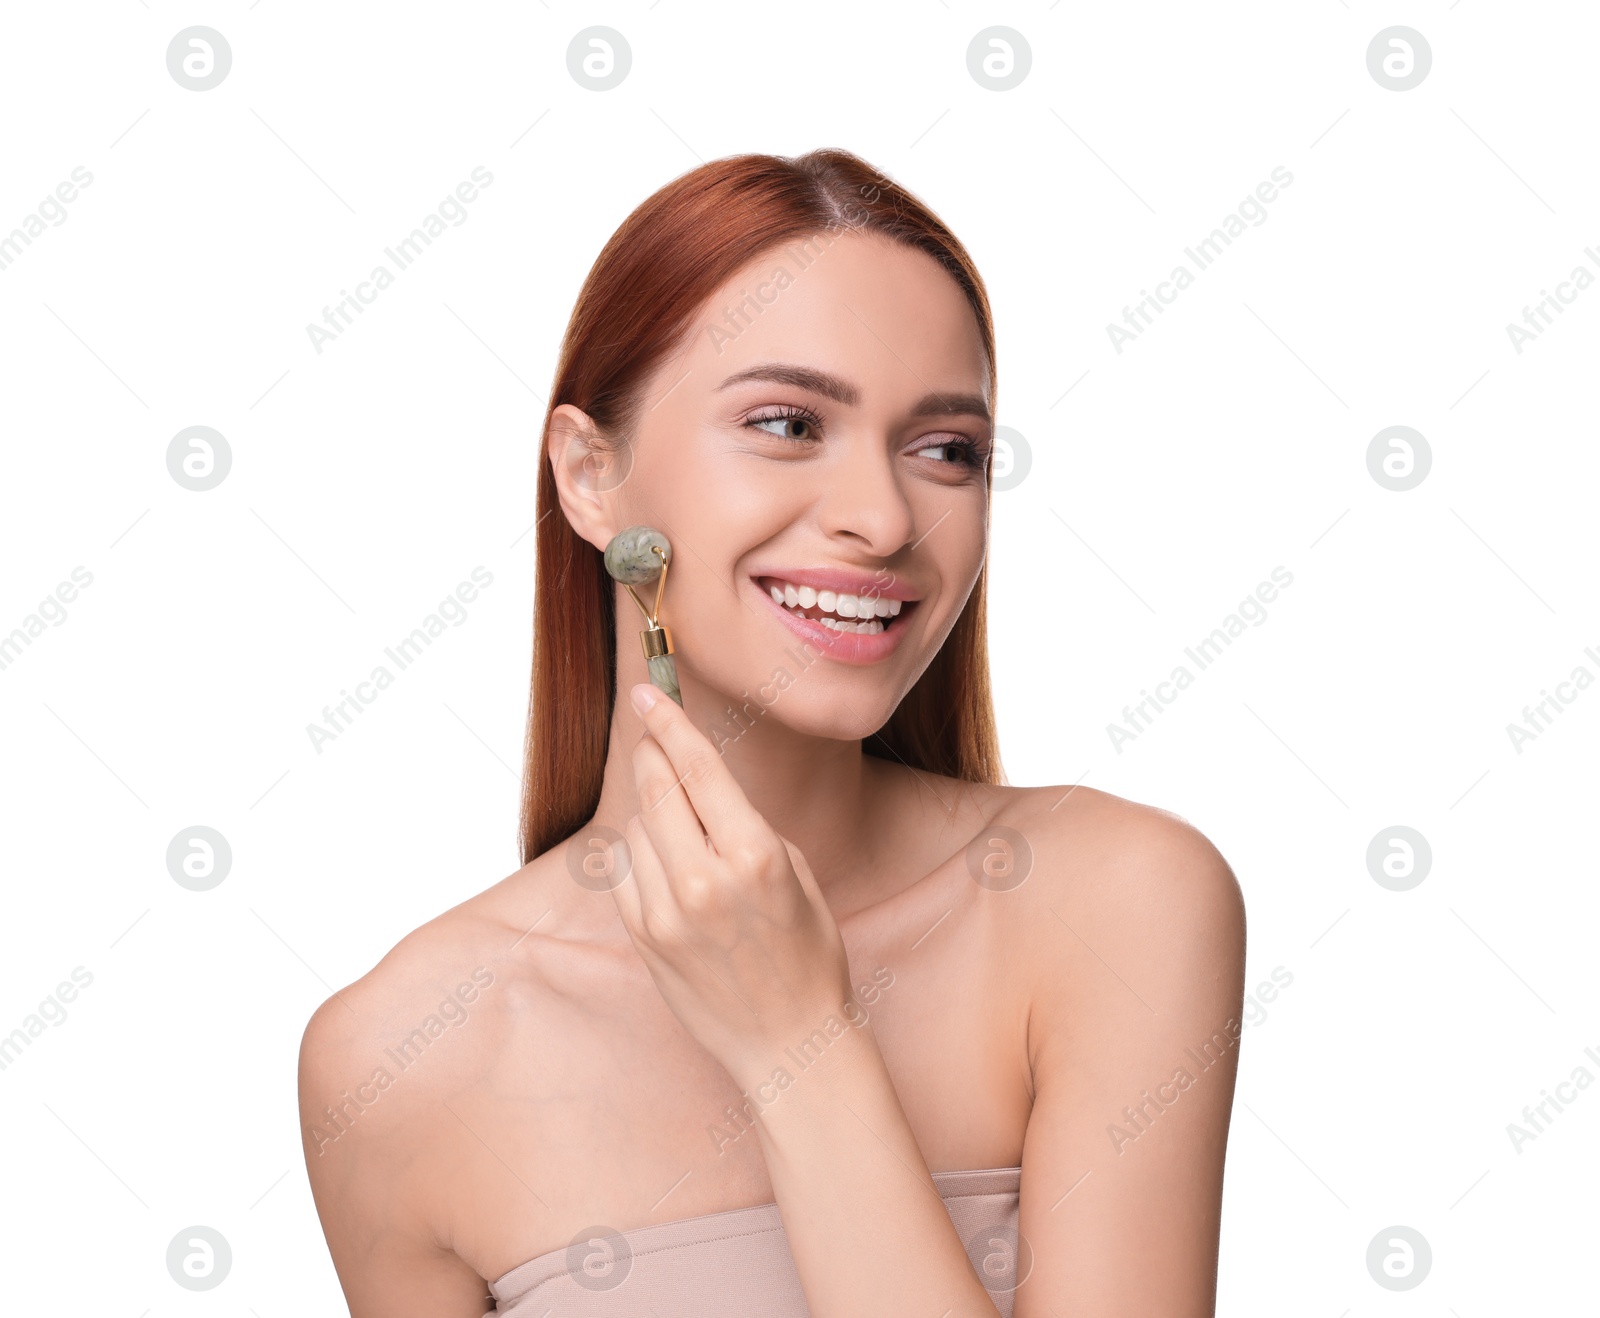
842 391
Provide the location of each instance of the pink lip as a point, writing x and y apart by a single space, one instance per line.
877 585
845 647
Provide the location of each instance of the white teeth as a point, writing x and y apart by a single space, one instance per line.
868 608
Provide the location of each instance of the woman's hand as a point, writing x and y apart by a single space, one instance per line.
724 911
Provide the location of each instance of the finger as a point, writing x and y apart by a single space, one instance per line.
649 889
724 812
667 818
801 867
624 887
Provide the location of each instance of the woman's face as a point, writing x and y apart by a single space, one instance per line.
826 427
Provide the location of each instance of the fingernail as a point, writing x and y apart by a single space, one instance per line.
644 696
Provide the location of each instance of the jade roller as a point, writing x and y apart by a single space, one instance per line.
635 557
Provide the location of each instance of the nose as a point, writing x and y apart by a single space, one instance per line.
862 500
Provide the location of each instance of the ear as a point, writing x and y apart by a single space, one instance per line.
589 467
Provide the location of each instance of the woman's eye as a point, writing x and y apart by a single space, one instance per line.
786 427
958 452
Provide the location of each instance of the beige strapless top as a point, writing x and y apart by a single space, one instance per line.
737 1264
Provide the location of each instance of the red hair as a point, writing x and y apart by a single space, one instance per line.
657 271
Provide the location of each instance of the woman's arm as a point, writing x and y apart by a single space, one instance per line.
389 1262
869 1233
1138 960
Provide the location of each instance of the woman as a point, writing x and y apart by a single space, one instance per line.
793 1007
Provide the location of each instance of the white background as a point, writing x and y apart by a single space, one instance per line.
1167 481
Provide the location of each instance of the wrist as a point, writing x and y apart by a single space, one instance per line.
802 1109
832 1040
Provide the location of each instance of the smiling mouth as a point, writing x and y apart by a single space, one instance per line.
865 614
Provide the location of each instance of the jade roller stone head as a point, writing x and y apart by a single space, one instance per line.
636 557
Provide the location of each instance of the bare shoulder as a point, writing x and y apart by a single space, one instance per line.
1093 847
380 1062
368 1037
432 980
1131 902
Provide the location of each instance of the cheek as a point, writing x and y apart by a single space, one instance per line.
976 552
960 514
672 477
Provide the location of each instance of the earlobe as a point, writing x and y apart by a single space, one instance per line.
587 469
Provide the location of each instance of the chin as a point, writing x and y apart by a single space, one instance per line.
802 699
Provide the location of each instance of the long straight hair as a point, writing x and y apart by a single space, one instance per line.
656 272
